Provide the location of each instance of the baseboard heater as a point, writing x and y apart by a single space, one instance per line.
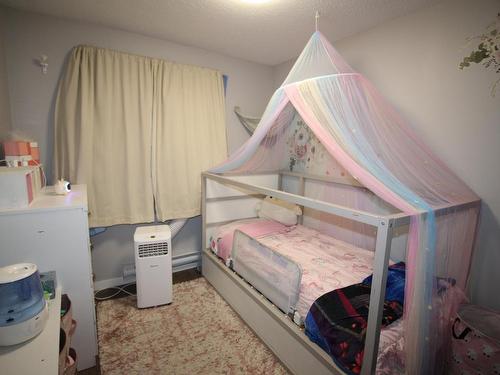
186 261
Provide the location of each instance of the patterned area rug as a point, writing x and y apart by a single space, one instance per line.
197 334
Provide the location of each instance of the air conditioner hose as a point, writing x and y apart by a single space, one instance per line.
176 225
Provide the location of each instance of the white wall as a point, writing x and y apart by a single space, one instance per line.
32 100
413 61
4 93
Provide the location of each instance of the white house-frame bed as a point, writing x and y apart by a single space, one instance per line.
231 197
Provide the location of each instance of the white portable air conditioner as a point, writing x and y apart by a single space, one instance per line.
153 265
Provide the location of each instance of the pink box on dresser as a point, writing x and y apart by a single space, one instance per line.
16 148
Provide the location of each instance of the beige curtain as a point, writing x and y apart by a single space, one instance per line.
109 107
189 137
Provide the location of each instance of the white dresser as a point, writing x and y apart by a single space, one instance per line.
53 233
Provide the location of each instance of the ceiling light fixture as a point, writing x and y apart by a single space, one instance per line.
255 1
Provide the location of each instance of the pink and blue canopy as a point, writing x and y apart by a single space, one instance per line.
365 137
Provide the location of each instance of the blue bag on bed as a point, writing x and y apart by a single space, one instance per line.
395 289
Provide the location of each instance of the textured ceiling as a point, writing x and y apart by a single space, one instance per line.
268 32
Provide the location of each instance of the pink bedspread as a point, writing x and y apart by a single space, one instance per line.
327 264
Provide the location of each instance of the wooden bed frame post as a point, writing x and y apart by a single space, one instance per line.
203 211
377 295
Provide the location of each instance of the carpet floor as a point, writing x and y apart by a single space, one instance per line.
197 334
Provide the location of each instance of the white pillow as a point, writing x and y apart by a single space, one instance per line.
279 210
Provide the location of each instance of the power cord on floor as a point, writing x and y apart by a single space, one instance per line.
119 289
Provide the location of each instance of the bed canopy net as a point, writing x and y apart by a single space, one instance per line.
327 119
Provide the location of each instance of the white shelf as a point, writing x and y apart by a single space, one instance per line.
39 355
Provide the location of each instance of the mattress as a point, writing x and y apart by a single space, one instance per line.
326 263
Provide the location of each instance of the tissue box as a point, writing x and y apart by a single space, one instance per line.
17 187
16 148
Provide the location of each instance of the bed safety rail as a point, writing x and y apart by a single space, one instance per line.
272 274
